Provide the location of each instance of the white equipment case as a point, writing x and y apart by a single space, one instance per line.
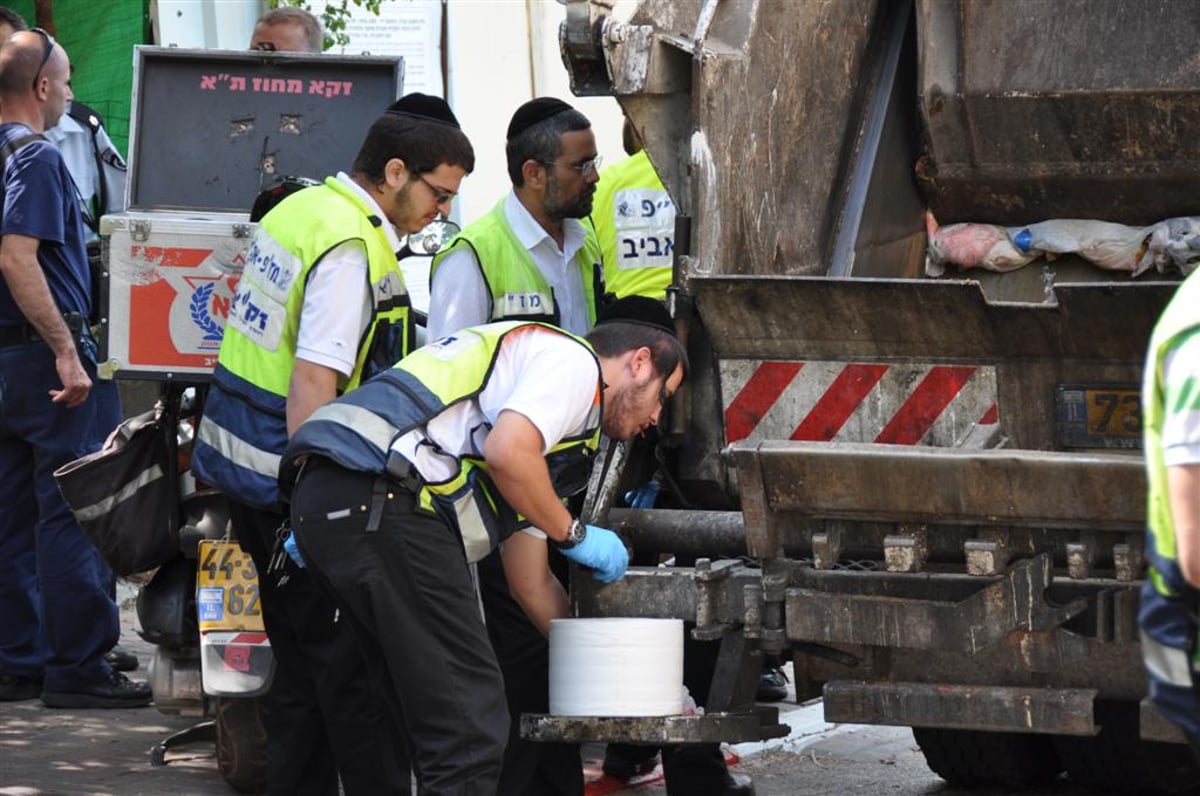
209 130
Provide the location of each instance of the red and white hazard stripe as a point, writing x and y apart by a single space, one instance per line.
909 404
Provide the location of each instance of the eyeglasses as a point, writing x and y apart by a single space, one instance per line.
440 195
264 46
49 40
592 164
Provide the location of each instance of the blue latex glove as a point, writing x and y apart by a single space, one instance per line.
644 496
603 551
289 546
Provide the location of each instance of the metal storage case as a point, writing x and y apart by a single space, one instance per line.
211 129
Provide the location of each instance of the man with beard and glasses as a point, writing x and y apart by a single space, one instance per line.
535 256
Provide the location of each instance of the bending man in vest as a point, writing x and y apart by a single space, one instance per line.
465 443
531 257
320 307
1171 593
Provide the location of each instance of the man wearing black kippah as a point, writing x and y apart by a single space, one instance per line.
535 255
321 307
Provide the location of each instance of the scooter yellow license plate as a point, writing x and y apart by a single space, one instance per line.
226 588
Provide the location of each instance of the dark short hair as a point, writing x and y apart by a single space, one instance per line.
12 19
314 36
422 145
541 141
615 338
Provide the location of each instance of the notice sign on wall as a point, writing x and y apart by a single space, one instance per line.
411 29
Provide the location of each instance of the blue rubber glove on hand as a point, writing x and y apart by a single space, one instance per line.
644 496
603 551
289 546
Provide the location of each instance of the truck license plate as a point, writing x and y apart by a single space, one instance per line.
1099 416
226 588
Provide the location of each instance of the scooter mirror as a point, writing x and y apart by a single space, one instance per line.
432 238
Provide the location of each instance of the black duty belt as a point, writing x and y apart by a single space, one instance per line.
20 334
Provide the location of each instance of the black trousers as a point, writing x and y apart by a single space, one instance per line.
324 715
530 769
406 589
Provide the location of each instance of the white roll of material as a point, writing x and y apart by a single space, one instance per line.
616 667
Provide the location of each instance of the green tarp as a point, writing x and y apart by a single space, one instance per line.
99 35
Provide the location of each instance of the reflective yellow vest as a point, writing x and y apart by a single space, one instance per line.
244 427
1167 611
635 223
517 288
362 430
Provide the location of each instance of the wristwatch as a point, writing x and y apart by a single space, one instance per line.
576 533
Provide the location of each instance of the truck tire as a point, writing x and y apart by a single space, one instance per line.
1117 760
242 743
971 758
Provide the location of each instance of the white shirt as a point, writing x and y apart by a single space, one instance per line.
1181 394
332 323
546 377
459 297
74 142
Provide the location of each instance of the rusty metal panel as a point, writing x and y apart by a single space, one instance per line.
938 321
1015 602
949 486
1065 109
793 67
645 592
1059 711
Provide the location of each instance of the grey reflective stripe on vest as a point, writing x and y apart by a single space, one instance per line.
476 542
238 451
102 507
363 422
1166 664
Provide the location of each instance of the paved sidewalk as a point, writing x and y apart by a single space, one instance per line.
107 752
101 752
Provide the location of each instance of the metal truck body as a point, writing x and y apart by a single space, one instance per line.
940 480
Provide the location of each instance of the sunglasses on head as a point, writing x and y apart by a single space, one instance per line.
49 41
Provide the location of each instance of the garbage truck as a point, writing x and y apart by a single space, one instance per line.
928 492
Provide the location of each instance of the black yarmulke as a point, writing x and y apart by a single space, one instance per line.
425 107
534 111
640 310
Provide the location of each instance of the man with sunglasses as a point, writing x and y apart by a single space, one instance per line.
321 306
57 620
